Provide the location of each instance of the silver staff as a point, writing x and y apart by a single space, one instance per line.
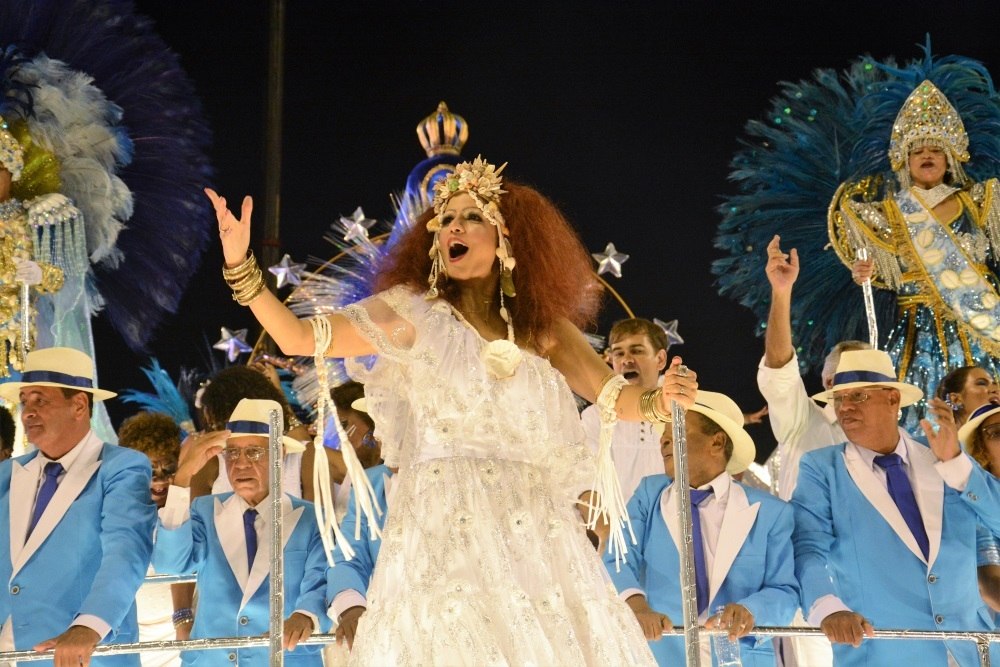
277 555
689 587
866 290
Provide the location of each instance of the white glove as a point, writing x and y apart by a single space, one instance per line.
28 271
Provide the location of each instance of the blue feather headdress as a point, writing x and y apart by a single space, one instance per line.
819 133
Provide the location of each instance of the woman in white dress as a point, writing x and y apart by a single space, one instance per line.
483 561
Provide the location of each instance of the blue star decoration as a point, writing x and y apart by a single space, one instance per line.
610 261
670 328
287 272
233 343
356 227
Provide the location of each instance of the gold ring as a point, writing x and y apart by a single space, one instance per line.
682 371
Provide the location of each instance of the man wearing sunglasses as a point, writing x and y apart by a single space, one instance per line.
225 538
886 527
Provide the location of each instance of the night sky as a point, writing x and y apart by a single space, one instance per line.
626 114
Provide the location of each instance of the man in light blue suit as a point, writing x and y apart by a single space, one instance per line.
226 538
77 516
743 558
886 528
347 581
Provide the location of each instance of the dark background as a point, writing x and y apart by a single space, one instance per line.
625 113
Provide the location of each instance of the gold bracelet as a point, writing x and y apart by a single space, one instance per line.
248 296
235 278
249 289
241 269
648 408
248 281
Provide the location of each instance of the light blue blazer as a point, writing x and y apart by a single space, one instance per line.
354 574
88 554
232 601
752 564
851 541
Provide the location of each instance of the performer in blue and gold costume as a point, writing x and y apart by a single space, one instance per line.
908 155
935 242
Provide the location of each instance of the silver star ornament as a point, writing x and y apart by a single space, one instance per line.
669 328
233 343
610 261
356 227
287 272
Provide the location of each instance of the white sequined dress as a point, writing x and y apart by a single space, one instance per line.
483 560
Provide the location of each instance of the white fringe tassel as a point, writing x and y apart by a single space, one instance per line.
365 502
609 499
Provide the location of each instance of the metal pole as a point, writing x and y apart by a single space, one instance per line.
272 147
866 290
277 556
981 639
689 587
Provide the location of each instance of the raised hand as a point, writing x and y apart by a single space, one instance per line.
235 234
197 450
782 269
944 439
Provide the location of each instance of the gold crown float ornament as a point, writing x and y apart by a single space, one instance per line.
443 132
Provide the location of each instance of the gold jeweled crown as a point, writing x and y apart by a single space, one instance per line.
442 132
927 117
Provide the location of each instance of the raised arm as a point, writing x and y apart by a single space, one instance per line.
293 335
782 271
585 372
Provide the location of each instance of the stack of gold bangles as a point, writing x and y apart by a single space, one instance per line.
246 280
648 407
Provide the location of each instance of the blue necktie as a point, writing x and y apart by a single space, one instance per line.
251 534
49 485
902 495
700 574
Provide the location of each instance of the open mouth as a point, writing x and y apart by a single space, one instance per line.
630 375
456 250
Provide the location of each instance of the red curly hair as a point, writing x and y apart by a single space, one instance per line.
553 277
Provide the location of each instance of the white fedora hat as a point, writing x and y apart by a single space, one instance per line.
61 367
723 411
727 414
252 417
869 368
979 415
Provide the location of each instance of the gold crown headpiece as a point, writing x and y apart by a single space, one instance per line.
11 153
928 118
482 182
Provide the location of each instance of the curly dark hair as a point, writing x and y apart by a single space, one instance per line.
229 386
8 431
153 433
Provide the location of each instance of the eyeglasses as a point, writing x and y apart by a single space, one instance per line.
991 432
253 454
164 472
856 396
